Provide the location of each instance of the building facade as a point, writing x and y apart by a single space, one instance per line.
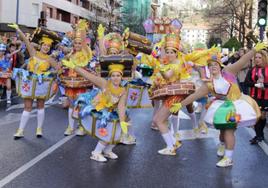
60 14
192 34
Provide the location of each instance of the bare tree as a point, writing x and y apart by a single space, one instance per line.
230 18
113 9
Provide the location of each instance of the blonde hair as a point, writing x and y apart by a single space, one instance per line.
264 56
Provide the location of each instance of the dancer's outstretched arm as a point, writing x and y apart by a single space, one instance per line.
239 65
202 91
96 80
29 47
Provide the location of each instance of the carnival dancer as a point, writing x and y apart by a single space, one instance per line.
231 108
159 55
108 104
112 45
39 64
257 81
170 72
80 56
5 71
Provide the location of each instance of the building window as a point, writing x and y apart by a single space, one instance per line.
85 4
49 12
63 16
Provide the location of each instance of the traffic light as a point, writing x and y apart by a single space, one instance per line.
262 13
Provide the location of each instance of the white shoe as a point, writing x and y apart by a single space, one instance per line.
225 162
69 131
110 155
39 132
97 157
221 150
128 139
167 151
18 134
8 101
80 131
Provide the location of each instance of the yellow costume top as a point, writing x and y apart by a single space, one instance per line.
39 64
81 58
176 68
108 98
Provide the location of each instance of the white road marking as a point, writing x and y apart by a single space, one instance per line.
35 160
11 98
12 118
15 117
262 144
190 135
16 106
21 105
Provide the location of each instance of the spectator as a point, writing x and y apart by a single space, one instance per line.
257 80
17 59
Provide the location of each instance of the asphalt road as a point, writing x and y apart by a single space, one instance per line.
55 161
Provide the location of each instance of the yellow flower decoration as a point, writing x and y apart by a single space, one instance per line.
81 58
102 101
175 107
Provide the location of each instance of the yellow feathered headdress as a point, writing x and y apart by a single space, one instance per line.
46 40
200 58
80 29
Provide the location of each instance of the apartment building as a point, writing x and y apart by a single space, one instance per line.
60 14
